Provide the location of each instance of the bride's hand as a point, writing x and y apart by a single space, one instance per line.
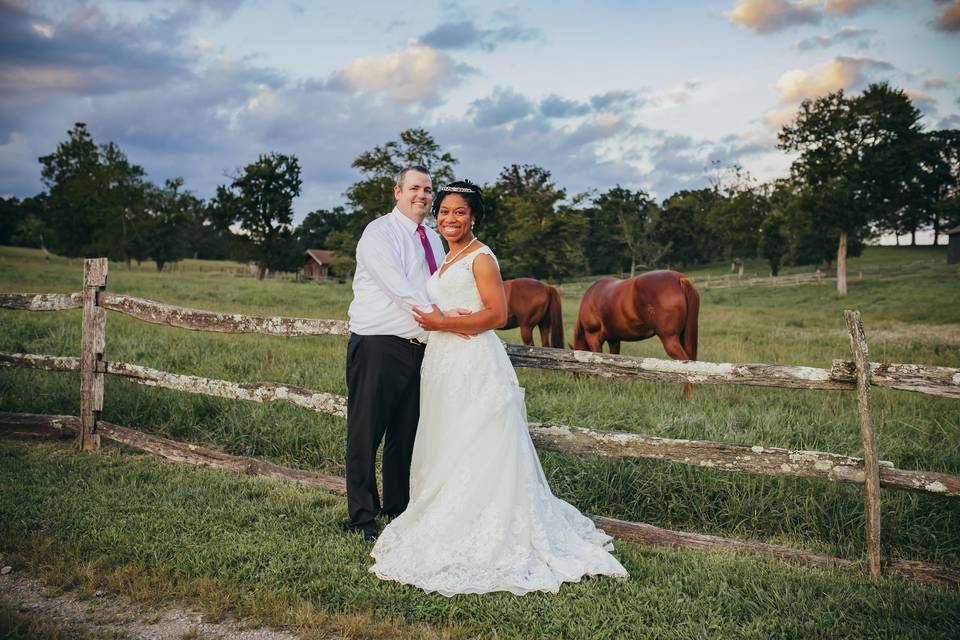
434 319
430 320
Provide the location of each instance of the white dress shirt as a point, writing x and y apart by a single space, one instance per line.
391 277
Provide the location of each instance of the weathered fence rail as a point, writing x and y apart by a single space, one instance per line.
856 375
721 456
35 424
931 380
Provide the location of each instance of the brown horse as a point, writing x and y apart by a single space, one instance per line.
532 303
661 303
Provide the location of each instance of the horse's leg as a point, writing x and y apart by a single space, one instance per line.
545 335
671 344
614 346
594 342
526 334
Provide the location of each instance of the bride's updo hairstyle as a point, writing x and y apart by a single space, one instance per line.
469 191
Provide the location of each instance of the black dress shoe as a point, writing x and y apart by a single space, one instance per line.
369 532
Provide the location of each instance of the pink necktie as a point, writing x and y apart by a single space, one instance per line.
427 251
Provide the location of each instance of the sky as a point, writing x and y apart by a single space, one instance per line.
646 95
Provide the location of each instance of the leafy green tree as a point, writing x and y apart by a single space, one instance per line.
851 153
372 196
635 216
939 182
169 213
543 238
735 220
683 224
260 201
210 237
318 225
127 234
603 245
11 216
72 177
773 240
96 198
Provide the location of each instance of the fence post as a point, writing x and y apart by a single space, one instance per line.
871 468
92 342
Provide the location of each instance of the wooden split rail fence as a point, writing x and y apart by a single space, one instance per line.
858 375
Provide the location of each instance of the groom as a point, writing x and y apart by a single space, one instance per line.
395 257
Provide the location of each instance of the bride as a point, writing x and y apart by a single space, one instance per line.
481 516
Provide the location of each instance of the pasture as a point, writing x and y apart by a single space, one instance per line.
275 552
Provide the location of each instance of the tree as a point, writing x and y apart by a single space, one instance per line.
850 153
373 196
11 217
318 225
543 238
939 182
169 214
96 197
126 235
773 240
635 216
71 175
735 220
683 223
603 245
260 201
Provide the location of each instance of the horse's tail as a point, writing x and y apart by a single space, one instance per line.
556 318
688 337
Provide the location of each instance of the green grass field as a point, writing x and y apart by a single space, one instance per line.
235 543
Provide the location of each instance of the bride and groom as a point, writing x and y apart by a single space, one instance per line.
426 373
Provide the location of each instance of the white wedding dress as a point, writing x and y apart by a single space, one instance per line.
481 516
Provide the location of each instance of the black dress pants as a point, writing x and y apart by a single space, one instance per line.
383 403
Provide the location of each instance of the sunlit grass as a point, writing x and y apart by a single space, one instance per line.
908 318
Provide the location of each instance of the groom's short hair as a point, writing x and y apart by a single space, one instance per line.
403 173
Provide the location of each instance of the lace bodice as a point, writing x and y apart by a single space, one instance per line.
457 286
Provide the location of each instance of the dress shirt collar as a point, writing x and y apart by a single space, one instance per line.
408 225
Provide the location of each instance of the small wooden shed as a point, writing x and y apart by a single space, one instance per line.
953 246
316 266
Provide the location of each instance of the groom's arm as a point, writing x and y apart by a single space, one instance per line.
382 261
494 312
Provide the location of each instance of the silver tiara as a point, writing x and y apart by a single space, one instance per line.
458 189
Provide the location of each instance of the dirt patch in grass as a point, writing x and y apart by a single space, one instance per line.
116 616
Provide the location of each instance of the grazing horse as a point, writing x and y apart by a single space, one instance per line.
532 303
661 303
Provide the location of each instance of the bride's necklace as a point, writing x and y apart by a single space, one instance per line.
447 261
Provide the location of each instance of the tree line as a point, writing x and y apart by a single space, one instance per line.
863 165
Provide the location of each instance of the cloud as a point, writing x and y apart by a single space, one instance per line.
844 72
845 34
950 122
923 101
768 16
616 100
851 7
414 74
84 52
554 106
465 34
935 83
949 18
501 107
